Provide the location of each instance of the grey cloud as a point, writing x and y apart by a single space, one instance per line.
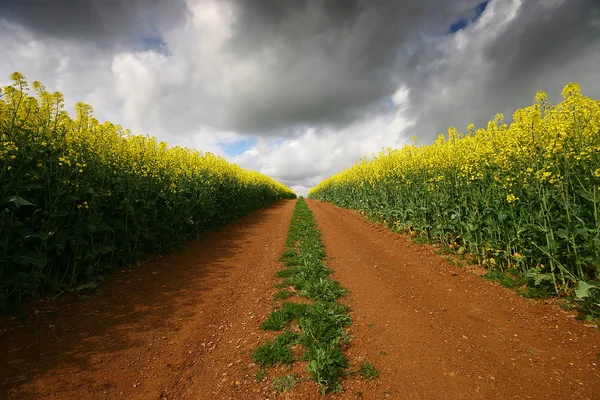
112 24
327 61
313 62
547 45
542 40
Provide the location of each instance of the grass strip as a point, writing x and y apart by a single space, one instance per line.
321 323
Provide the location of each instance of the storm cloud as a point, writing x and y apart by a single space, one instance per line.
498 64
113 24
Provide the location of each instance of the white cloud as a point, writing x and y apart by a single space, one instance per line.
304 161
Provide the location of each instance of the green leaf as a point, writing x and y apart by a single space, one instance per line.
584 289
88 287
95 219
539 278
40 235
17 201
19 278
29 258
33 186
312 367
585 195
60 213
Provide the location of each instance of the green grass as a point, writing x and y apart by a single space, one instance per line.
283 295
321 323
531 285
279 319
260 375
419 240
285 383
286 272
368 371
276 351
290 257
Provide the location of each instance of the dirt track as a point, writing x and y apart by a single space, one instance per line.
183 326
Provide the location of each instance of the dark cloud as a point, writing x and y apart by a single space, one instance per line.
314 62
129 24
542 39
545 46
327 61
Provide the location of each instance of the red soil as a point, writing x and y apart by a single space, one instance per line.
183 326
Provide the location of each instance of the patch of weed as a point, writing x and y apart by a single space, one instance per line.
290 257
326 365
322 322
260 375
529 285
368 371
286 272
285 383
276 351
495 275
289 311
283 295
419 240
323 289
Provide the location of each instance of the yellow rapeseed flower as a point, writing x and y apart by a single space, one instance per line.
511 198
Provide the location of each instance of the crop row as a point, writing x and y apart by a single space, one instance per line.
522 196
79 197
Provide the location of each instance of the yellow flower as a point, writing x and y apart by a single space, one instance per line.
541 97
511 198
572 89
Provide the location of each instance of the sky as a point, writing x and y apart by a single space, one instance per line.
300 89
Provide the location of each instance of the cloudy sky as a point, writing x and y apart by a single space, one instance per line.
298 89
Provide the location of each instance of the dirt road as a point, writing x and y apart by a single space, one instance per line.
184 326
